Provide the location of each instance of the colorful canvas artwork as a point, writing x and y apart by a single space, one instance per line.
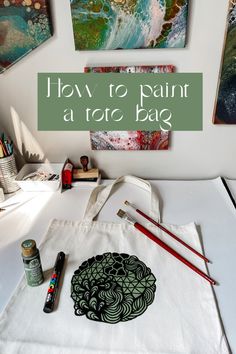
131 69
24 25
130 140
128 24
225 111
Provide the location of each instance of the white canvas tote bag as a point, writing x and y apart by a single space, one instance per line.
128 294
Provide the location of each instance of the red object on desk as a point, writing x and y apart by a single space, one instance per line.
67 174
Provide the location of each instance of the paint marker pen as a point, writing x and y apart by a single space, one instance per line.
54 283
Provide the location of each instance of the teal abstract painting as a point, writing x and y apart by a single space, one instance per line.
128 24
24 25
225 112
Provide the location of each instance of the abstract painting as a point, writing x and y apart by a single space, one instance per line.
131 69
24 25
225 111
129 24
130 140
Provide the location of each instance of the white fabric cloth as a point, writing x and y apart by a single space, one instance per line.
183 317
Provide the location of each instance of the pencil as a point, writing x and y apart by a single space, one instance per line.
1 151
3 148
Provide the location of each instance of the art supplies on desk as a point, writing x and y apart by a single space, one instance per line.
54 283
168 232
8 170
115 276
90 175
8 173
87 183
79 177
39 177
86 176
6 146
32 263
67 174
123 215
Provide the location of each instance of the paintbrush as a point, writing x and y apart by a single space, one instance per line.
166 231
123 215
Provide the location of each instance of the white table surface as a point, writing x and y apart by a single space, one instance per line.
204 202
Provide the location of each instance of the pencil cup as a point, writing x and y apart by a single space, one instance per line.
8 173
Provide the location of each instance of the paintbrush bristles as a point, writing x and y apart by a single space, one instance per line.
121 213
130 204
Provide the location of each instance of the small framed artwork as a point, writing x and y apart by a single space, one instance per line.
225 108
129 24
130 140
24 25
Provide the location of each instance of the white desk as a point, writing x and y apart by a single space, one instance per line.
205 202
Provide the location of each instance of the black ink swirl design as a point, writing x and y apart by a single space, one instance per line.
112 288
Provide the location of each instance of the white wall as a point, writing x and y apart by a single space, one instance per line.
192 155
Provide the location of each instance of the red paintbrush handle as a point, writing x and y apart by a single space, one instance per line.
173 252
172 235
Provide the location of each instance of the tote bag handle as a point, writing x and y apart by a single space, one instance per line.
100 195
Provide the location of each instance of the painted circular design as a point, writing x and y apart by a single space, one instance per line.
112 288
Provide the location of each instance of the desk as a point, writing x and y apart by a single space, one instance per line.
204 202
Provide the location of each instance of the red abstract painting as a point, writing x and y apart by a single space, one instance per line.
130 140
